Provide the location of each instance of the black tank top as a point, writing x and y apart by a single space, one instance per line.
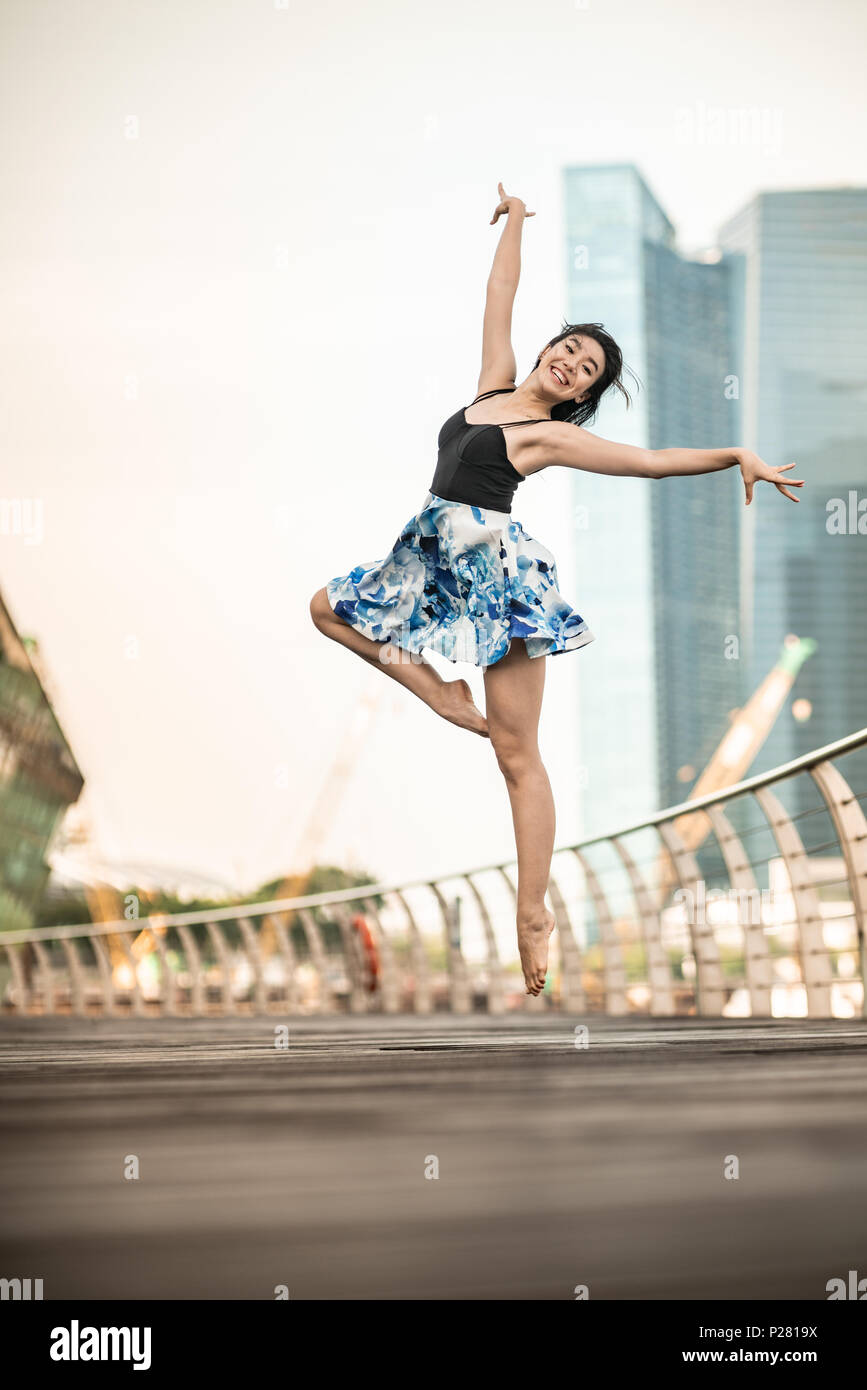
472 463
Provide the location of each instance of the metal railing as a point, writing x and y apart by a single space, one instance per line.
680 913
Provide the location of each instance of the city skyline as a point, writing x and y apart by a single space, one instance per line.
185 278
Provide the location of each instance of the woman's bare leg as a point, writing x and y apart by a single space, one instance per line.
513 698
451 699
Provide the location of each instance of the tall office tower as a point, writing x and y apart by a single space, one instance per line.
657 560
694 520
800 299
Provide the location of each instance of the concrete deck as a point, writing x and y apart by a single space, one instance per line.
558 1166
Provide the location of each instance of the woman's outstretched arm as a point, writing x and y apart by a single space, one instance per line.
498 358
676 463
571 446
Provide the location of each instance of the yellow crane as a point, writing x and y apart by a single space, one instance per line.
105 902
356 732
748 730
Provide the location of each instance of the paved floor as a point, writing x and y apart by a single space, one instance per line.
558 1166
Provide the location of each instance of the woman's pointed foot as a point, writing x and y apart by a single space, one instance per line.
455 703
533 935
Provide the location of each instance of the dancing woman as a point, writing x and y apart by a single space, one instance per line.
464 579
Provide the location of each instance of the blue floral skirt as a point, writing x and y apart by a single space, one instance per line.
462 581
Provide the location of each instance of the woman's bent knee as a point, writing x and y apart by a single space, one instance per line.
320 609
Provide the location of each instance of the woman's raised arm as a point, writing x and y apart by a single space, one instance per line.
498 358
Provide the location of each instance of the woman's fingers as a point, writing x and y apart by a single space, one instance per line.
756 470
791 482
503 205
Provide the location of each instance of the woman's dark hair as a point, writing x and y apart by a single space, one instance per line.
580 412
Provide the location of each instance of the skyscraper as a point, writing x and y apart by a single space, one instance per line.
657 560
800 302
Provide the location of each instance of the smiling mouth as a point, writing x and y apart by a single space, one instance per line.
558 376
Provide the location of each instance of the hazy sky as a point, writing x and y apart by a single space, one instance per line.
244 255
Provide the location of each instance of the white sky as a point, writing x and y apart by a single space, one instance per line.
286 270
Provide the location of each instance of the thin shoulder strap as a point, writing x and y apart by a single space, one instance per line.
497 391
542 419
501 390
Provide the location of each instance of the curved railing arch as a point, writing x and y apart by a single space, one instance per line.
408 946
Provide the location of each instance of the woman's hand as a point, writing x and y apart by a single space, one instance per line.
508 204
755 470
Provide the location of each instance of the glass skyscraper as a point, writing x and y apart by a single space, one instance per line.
799 286
658 566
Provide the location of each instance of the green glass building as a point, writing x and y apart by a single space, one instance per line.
39 779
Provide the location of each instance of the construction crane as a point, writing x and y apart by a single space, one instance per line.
356 732
748 730
105 901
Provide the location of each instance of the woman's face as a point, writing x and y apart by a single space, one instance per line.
569 367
